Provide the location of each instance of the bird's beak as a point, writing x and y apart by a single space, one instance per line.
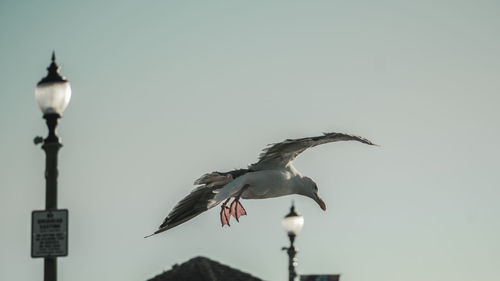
320 202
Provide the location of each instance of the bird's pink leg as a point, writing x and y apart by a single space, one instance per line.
225 214
237 209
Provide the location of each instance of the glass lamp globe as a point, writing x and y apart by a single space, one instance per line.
53 92
293 222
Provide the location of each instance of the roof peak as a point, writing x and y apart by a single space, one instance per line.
203 269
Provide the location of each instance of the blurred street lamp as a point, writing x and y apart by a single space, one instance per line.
52 94
292 223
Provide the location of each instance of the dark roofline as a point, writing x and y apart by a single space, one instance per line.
203 269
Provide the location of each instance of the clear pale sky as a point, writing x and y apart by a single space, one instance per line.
164 91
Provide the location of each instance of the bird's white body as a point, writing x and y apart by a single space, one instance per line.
261 184
270 183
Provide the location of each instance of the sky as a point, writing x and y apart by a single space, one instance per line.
165 91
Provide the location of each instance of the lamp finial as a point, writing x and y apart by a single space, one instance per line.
53 72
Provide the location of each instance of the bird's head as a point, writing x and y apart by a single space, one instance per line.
310 189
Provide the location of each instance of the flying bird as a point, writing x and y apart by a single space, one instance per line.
273 175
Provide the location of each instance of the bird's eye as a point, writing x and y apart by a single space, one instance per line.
316 187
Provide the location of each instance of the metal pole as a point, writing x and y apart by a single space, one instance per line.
51 146
292 260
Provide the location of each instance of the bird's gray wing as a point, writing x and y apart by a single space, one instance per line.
281 154
198 200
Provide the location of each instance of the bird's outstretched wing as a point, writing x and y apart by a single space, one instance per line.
281 154
199 200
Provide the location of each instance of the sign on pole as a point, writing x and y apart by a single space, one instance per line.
49 233
319 277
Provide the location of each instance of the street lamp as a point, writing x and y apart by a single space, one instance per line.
292 223
52 94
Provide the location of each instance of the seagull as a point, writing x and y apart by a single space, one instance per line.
273 175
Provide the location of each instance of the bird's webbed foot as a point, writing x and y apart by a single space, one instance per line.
237 209
225 214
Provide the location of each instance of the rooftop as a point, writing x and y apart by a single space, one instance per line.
203 269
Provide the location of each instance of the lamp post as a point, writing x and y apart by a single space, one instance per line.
292 223
52 94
